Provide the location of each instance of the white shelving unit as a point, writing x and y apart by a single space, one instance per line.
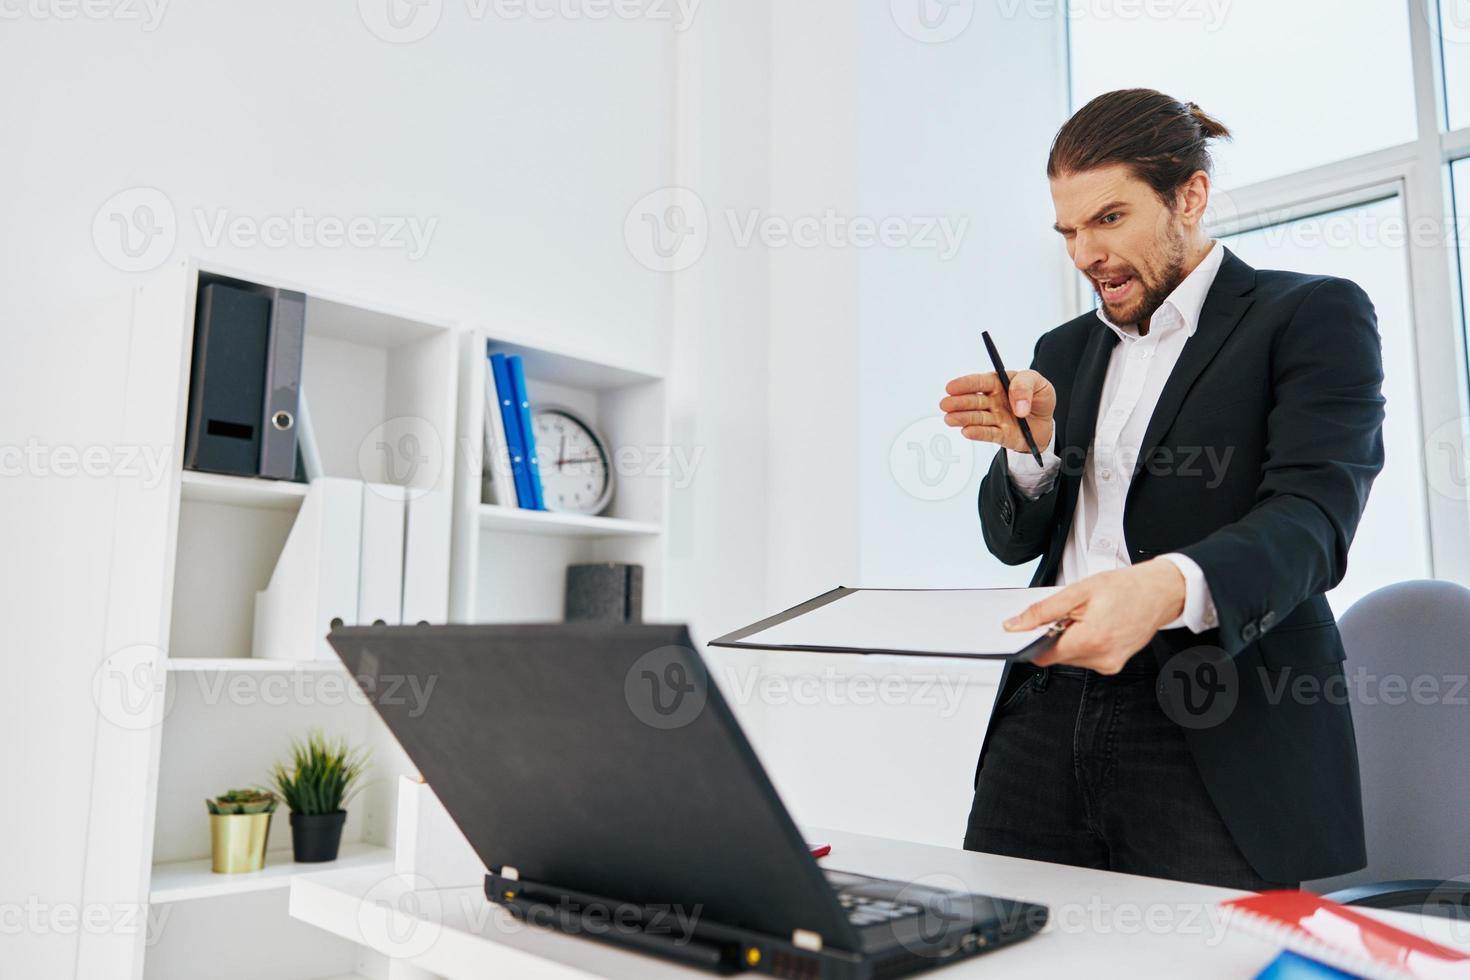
199 714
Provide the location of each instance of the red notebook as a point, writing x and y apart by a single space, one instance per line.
1344 937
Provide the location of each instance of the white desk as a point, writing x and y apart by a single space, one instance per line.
1102 924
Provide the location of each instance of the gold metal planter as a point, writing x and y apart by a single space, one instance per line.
237 841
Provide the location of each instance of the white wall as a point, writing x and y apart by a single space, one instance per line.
526 141
877 117
958 130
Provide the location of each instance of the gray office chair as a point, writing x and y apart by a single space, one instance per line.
1412 747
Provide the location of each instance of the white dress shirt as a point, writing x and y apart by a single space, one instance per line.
1136 373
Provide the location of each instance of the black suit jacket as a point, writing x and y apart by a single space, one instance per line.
1281 383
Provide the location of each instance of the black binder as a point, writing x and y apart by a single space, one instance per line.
227 380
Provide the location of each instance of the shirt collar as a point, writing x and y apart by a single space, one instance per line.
1187 299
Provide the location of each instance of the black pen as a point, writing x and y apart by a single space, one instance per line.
1005 383
1042 643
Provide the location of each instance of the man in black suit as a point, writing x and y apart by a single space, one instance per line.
1210 435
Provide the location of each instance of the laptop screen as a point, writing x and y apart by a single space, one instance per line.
597 758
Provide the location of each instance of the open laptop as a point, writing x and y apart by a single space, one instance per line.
599 773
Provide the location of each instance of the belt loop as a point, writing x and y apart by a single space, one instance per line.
1042 678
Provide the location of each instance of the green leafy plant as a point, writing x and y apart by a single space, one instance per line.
322 777
243 801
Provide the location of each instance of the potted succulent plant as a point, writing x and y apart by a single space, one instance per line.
239 826
317 786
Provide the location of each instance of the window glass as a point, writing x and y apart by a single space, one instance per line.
1299 84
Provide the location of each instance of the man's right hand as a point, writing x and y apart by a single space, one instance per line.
983 412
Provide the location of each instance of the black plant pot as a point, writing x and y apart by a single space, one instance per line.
315 837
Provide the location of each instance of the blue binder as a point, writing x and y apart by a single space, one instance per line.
528 434
510 414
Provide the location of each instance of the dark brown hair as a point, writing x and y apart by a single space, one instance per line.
1161 139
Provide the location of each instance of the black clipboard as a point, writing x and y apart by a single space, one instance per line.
739 639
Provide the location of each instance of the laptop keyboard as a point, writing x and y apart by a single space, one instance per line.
865 911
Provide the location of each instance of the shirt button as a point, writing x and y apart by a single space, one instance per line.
1106 474
1104 543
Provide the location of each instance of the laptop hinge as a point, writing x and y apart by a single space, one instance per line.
806 939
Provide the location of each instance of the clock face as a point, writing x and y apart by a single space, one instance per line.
576 474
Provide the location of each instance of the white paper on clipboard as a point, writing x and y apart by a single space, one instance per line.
943 622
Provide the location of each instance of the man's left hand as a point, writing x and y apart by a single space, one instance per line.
1114 615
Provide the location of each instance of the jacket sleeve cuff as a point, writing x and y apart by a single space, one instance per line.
1199 605
1030 480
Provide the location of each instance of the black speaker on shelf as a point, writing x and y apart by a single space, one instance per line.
604 592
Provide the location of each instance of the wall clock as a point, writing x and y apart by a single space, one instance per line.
576 470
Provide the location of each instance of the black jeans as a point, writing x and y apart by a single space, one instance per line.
1087 770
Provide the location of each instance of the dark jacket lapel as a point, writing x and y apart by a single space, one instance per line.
1074 439
1225 304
